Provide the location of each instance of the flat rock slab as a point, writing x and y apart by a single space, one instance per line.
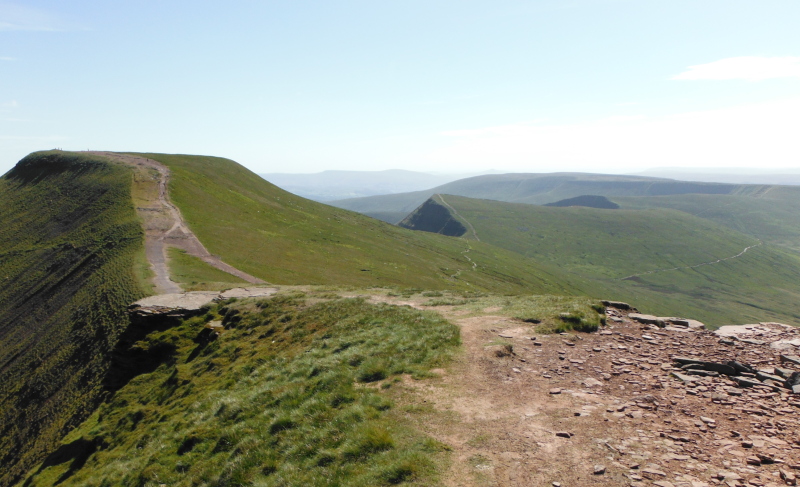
182 304
647 319
189 301
248 292
691 324
616 304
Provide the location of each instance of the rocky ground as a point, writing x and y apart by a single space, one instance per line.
634 404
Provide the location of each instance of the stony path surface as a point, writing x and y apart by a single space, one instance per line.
164 226
615 408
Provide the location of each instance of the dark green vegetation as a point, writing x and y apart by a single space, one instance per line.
613 254
589 201
538 189
195 275
69 244
434 217
288 395
285 239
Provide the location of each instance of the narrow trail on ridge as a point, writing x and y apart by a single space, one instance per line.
472 229
469 247
164 225
696 265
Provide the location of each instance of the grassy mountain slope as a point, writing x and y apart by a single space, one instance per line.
536 189
305 388
597 249
285 239
774 217
70 244
287 395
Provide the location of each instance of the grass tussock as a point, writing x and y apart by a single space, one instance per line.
278 399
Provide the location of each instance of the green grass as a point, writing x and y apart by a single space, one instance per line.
595 249
285 239
774 217
537 189
71 251
195 275
287 395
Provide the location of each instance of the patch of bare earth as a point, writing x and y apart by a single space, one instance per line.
522 409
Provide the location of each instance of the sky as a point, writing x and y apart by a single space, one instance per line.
447 86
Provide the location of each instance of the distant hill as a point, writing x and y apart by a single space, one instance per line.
537 189
336 185
589 201
728 176
621 253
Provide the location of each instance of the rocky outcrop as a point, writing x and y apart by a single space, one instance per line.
663 321
182 305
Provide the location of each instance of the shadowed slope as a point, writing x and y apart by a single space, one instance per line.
435 218
69 241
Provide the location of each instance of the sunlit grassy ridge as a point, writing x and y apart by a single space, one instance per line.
288 395
595 249
70 244
285 239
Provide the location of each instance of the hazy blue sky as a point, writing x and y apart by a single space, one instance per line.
302 86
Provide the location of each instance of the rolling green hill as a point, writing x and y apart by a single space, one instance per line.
539 189
285 239
774 217
616 253
70 247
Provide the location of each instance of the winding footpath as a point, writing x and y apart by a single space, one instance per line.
695 266
164 225
472 229
469 247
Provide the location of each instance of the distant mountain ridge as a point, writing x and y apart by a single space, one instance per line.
537 189
728 177
333 184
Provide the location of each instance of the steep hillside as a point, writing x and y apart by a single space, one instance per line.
71 247
434 217
306 388
651 258
537 189
285 239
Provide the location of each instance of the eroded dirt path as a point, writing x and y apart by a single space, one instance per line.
606 408
164 225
